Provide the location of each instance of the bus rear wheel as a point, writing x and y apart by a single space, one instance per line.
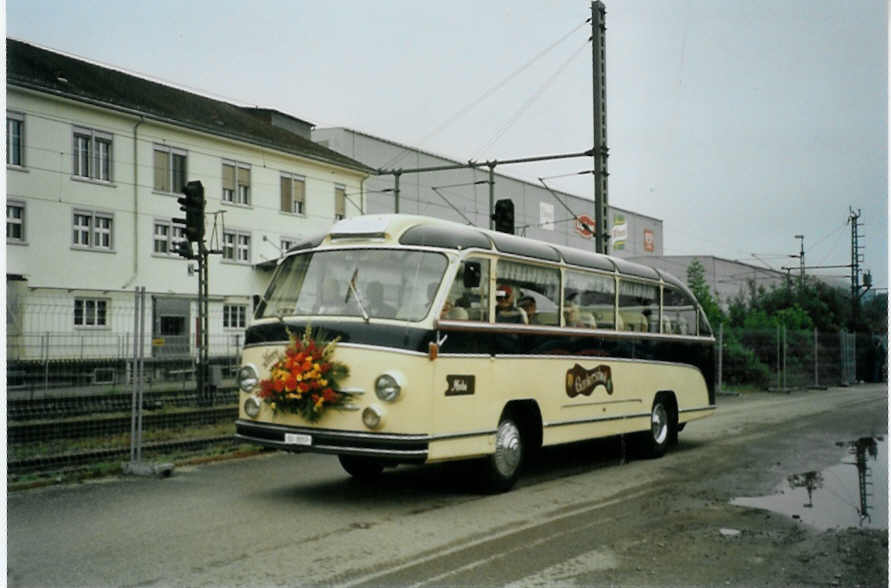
502 468
654 442
361 468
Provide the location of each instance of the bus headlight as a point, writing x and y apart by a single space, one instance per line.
252 406
372 417
247 377
389 386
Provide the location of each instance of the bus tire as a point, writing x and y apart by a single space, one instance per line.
654 442
361 468
502 468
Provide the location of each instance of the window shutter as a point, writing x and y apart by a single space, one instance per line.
228 177
299 193
162 174
244 176
286 194
340 201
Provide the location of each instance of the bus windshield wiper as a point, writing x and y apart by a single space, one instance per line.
355 292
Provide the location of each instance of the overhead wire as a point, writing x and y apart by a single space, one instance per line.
512 120
485 95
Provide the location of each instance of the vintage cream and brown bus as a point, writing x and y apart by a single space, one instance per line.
402 339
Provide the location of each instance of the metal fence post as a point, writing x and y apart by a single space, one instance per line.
141 373
134 375
779 382
46 353
785 383
136 466
816 358
720 357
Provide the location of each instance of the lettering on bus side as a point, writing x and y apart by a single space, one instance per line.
460 385
582 381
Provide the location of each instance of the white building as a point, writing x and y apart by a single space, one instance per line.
538 213
95 160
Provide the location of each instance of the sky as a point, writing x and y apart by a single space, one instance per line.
738 124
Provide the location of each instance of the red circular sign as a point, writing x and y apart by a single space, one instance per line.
584 226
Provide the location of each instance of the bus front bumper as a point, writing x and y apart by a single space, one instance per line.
400 448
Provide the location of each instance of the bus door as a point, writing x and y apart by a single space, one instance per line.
464 371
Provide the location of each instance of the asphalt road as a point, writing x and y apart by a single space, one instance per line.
577 516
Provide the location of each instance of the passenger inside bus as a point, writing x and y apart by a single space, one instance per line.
377 306
527 303
505 310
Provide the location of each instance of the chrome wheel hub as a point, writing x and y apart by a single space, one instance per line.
660 424
508 449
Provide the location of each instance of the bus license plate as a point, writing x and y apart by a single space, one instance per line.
298 439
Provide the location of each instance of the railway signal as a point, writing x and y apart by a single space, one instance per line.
192 203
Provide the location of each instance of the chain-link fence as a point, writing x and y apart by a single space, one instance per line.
72 381
781 359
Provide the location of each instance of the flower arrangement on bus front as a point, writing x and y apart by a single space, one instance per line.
304 378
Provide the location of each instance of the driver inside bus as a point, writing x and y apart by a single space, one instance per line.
505 311
377 306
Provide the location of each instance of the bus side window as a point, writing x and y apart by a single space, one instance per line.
639 306
678 312
466 302
529 294
589 301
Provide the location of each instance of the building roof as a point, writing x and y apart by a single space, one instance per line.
32 67
409 149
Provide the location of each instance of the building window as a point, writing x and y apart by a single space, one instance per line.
167 236
15 139
237 246
169 169
92 230
92 154
287 243
339 202
90 312
293 194
234 316
15 221
236 183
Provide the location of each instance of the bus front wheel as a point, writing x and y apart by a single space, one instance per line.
361 468
502 468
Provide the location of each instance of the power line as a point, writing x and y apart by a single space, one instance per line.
512 120
500 84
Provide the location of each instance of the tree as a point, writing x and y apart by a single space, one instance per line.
699 286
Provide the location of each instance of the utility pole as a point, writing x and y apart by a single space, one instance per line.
856 258
801 262
600 151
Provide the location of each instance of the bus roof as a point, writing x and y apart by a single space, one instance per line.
412 230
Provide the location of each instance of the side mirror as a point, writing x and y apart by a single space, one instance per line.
472 274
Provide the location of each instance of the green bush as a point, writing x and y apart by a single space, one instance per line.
742 366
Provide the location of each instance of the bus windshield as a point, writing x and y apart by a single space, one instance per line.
368 283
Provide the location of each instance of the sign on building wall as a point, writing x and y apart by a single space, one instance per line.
584 226
546 216
618 232
649 241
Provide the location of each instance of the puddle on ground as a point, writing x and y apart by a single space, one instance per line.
853 493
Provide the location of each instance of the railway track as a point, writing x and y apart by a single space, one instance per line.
96 404
82 458
55 434
79 427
